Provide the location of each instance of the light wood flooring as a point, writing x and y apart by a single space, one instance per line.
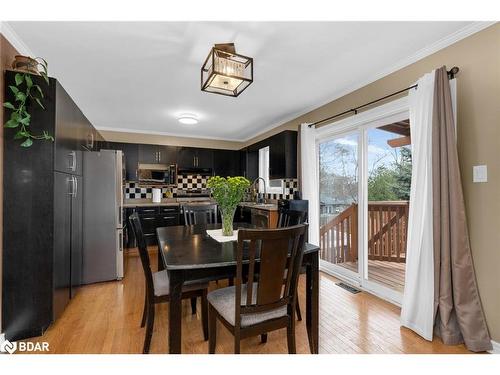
389 274
105 318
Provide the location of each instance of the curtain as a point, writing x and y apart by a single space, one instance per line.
417 312
459 315
310 178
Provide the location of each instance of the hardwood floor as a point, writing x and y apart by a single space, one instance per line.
105 318
389 274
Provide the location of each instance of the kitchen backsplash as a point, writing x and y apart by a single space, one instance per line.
133 190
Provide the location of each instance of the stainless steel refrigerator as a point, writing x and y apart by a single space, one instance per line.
102 216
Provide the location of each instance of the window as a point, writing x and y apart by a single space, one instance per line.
274 186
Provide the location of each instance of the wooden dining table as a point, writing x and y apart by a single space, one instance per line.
189 253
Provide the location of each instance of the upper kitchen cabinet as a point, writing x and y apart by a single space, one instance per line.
168 154
155 154
282 154
226 163
190 157
69 130
131 155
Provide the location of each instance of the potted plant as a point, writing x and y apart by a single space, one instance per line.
228 192
26 91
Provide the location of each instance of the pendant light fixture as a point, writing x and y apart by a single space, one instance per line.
225 72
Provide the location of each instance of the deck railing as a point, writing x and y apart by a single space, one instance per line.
387 229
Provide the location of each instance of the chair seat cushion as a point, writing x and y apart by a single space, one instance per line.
223 301
162 284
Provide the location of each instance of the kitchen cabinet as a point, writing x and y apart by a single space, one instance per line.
153 217
168 155
42 214
226 163
190 157
131 155
155 154
282 154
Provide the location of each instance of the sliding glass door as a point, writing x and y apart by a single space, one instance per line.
364 189
338 195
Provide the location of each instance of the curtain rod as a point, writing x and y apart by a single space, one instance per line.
451 74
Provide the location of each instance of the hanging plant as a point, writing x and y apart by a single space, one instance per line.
26 92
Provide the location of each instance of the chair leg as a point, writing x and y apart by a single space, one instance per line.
193 305
297 310
204 314
212 330
263 338
145 311
237 343
149 328
290 336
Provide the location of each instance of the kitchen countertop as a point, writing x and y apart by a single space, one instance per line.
131 203
260 206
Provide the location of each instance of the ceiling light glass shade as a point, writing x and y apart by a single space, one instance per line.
188 119
225 72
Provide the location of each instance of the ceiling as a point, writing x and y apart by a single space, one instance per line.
139 76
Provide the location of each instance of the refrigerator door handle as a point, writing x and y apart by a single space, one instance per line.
75 192
72 165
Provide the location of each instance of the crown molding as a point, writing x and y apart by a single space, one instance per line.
14 39
458 35
166 134
464 32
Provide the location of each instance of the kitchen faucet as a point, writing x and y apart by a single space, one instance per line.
264 182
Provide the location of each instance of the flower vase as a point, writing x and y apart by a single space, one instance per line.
227 220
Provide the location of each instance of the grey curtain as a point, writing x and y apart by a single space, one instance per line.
459 315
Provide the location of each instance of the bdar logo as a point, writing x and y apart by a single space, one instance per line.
8 347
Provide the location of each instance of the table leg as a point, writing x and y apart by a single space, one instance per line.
312 302
175 312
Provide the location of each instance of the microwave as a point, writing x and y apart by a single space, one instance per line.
158 174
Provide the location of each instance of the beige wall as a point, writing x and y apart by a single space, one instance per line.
478 122
169 140
7 53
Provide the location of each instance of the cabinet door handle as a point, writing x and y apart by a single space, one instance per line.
169 217
72 164
148 218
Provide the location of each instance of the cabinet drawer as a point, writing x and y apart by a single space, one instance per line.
148 211
169 210
149 224
167 220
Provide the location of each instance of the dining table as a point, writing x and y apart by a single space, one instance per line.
189 253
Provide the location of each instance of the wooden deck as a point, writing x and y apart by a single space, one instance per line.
389 274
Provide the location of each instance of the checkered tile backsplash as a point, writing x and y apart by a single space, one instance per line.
187 182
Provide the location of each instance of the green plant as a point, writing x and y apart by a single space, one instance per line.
25 92
228 192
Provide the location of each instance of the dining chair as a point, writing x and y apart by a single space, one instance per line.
157 287
250 307
288 218
195 214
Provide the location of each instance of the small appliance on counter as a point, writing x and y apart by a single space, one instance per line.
157 195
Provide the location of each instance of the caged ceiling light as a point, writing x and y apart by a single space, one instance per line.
225 72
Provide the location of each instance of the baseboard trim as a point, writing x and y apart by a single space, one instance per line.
496 347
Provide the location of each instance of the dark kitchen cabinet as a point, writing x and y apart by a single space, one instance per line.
226 163
190 157
42 214
153 217
168 155
155 154
131 155
249 164
148 154
282 154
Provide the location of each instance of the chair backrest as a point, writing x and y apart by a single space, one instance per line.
289 218
279 253
195 214
135 222
260 221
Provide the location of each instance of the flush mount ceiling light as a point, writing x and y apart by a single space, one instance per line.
225 72
188 119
